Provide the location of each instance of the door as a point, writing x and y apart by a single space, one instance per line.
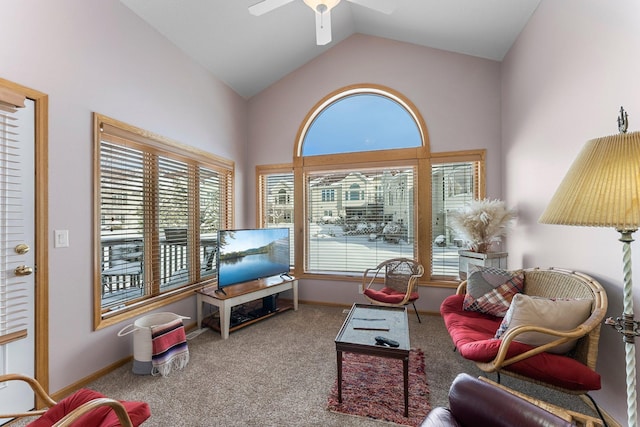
17 252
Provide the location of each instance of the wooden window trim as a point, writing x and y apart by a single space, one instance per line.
302 164
157 144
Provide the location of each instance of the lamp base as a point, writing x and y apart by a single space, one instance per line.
626 325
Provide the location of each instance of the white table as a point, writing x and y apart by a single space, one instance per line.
243 293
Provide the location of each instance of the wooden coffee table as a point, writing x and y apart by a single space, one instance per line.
359 330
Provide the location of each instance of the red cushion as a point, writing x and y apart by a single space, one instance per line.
389 296
472 333
100 417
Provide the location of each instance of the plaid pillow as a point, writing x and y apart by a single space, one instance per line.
490 290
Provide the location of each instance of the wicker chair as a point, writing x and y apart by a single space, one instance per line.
560 284
399 287
84 407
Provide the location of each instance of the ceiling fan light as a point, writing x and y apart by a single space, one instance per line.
321 6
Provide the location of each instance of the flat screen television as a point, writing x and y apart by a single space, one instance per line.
250 254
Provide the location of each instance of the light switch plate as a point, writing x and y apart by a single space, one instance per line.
61 238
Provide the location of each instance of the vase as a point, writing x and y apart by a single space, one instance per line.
488 259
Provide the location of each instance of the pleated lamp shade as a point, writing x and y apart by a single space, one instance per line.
602 187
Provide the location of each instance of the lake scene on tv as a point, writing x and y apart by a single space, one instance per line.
245 255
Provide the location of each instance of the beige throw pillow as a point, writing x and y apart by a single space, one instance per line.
560 315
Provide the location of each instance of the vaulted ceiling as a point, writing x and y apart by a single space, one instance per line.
249 53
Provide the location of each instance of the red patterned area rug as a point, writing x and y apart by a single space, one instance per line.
372 387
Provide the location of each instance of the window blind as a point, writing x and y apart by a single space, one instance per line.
454 185
215 213
160 206
122 220
359 218
13 291
277 203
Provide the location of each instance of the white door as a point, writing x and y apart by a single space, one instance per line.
17 260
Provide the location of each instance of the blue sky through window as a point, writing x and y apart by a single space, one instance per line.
361 122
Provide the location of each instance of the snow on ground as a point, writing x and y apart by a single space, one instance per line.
333 250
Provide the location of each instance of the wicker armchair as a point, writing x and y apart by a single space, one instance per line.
399 286
573 372
556 283
84 407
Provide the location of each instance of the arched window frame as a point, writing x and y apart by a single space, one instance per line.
416 156
436 259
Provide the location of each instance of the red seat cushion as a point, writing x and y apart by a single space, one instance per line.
100 417
472 333
388 295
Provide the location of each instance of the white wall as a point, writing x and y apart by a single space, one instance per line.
457 95
98 56
563 83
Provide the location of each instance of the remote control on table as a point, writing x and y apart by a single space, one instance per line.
386 341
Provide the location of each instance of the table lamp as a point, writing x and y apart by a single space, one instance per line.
602 189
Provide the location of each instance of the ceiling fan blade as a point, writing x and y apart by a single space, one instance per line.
383 6
266 6
323 28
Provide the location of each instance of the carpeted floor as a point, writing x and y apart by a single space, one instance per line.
280 371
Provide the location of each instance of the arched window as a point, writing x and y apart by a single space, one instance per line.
360 141
354 192
282 197
365 187
361 122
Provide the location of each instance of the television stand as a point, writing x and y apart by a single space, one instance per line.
243 293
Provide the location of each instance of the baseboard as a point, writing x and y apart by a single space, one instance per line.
83 382
342 305
65 391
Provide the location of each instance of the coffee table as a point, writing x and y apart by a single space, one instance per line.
358 332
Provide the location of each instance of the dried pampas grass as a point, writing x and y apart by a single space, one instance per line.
482 222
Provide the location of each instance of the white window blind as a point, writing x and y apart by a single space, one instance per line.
276 202
454 185
359 218
215 209
160 209
13 292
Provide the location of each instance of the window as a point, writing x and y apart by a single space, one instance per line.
328 195
361 121
365 188
456 180
275 210
283 197
159 206
354 193
359 156
363 168
365 230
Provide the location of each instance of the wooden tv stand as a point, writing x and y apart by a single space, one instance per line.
243 293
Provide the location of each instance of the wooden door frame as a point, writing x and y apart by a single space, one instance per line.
41 233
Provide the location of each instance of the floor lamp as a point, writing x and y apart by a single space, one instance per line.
602 189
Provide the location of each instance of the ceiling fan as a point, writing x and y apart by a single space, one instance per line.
322 8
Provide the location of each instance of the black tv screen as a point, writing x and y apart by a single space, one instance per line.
245 255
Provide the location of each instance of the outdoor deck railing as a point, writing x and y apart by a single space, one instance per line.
122 258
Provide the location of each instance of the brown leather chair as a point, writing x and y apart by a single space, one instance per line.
479 402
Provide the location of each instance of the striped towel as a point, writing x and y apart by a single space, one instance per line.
170 349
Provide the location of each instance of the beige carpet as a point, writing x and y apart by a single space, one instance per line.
279 372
